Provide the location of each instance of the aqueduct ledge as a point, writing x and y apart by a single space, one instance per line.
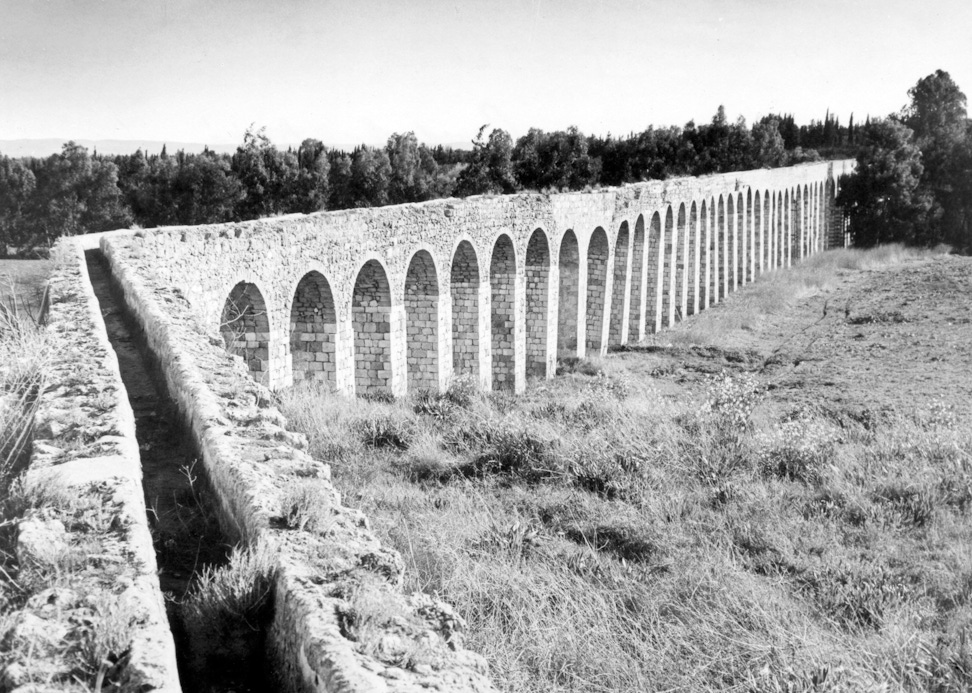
407 296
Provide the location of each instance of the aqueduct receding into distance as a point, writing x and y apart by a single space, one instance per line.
495 288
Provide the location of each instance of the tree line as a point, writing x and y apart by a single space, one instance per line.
913 181
76 192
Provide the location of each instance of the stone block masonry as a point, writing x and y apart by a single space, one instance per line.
402 298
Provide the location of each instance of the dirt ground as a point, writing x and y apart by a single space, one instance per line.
875 341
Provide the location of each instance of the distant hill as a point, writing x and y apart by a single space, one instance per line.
46 147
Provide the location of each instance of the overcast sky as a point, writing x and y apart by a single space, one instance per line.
347 72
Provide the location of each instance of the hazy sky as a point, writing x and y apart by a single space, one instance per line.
347 72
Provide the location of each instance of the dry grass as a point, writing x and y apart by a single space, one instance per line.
596 536
779 290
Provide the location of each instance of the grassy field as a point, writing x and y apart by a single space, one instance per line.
698 513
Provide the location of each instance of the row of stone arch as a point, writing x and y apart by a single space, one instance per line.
678 262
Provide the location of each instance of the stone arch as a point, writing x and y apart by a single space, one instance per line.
756 254
616 328
680 267
421 300
244 324
749 254
597 263
464 287
739 236
636 307
371 325
787 227
705 255
692 259
732 245
807 220
313 329
537 293
766 245
656 272
780 252
502 284
668 269
569 262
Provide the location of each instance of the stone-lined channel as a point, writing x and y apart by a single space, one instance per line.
181 510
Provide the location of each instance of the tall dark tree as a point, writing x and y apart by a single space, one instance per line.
17 184
883 198
937 115
76 194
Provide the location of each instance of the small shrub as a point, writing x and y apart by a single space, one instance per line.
103 645
307 504
797 450
226 614
385 428
575 364
905 504
371 613
855 594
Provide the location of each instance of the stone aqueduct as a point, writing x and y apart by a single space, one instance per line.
396 298
495 288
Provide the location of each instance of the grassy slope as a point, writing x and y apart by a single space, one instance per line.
686 517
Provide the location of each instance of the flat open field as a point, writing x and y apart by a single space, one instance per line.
773 496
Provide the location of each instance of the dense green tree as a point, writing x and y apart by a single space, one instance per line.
557 160
490 169
883 198
937 115
768 147
203 190
76 194
370 177
17 184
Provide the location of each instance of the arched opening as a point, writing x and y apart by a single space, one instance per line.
808 221
537 291
757 253
750 253
637 270
705 256
597 260
692 261
787 228
765 244
656 273
668 269
465 311
569 261
245 327
502 283
780 230
732 254
620 282
371 322
740 237
720 277
313 326
680 273
422 323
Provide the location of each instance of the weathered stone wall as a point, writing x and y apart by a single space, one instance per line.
85 450
253 463
705 237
